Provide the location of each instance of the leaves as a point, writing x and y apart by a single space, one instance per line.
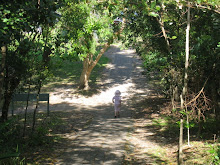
174 37
86 24
153 14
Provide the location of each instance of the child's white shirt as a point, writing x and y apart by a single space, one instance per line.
116 99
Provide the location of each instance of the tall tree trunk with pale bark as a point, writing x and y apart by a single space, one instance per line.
185 87
180 154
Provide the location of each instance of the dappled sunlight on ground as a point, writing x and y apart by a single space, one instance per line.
119 76
99 138
104 140
101 142
104 97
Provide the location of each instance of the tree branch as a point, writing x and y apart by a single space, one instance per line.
197 96
208 7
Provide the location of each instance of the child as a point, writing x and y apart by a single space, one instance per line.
117 101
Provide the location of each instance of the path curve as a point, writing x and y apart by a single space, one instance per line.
104 140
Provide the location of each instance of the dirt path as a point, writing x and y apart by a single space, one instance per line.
92 135
103 141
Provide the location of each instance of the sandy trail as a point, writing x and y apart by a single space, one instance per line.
103 141
105 138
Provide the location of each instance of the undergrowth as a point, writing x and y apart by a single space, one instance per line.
15 142
203 150
20 147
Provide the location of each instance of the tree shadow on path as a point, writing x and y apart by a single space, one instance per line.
99 142
102 139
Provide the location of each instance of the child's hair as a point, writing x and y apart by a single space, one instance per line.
117 92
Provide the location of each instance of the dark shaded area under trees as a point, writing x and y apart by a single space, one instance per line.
164 53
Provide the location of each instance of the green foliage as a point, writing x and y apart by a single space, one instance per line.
8 129
12 159
25 32
9 153
154 61
13 144
25 16
83 26
144 33
67 71
210 127
185 124
34 32
39 137
98 68
215 152
166 126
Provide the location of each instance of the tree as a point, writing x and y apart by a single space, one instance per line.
88 26
185 85
2 73
154 24
19 33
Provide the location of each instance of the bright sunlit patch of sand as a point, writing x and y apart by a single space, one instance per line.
105 97
127 52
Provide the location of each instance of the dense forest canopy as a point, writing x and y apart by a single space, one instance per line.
157 30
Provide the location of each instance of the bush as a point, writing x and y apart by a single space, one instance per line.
215 152
14 146
11 159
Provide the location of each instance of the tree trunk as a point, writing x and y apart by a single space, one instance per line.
188 131
37 103
172 70
2 70
160 21
187 53
199 123
185 87
25 114
88 65
6 103
85 75
215 99
6 98
11 84
180 156
5 107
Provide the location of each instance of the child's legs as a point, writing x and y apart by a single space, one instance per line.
117 109
117 113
